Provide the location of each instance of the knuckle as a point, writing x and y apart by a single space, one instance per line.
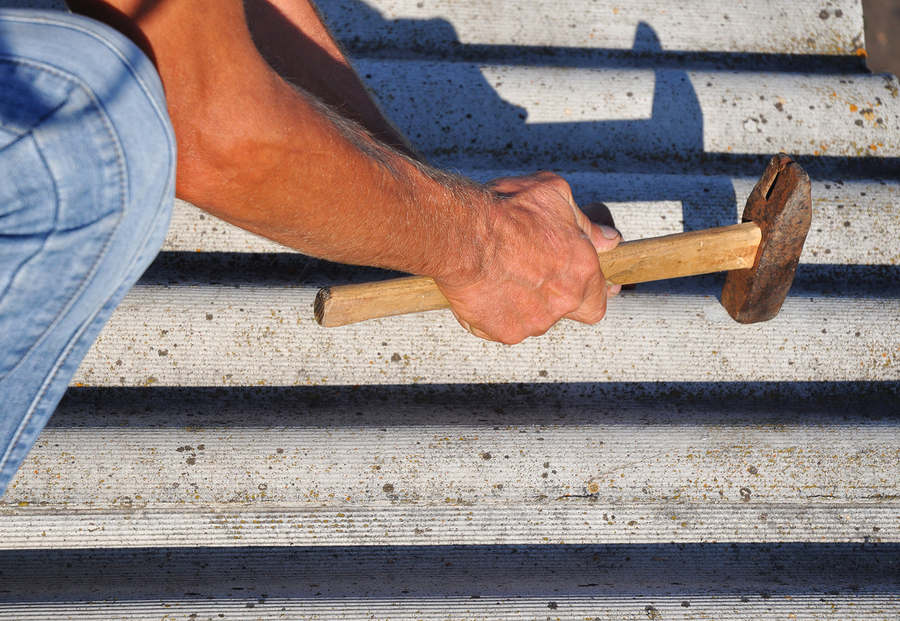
546 176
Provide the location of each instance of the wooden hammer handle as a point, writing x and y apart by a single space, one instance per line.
672 256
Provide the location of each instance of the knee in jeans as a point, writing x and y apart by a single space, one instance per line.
124 83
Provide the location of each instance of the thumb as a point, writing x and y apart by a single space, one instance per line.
597 223
604 238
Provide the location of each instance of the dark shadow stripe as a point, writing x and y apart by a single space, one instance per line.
521 404
603 58
753 572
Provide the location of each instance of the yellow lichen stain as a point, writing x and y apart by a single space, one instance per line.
853 108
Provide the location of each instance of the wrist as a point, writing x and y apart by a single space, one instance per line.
464 232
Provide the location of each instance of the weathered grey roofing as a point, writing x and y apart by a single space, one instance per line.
222 456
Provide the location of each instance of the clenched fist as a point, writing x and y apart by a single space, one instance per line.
538 263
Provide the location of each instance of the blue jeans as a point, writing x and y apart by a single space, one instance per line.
87 182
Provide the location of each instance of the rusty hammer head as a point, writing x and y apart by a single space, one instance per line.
781 206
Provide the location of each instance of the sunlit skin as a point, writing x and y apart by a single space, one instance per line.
512 257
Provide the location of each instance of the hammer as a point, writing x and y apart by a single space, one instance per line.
760 254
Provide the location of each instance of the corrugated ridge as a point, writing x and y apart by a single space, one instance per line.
866 606
667 119
222 336
798 28
253 454
578 523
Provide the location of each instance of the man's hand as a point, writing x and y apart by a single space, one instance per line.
539 263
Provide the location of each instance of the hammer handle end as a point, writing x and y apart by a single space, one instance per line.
345 304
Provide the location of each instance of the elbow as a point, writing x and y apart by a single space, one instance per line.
207 165
227 146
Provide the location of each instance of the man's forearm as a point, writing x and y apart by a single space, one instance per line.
314 181
295 41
